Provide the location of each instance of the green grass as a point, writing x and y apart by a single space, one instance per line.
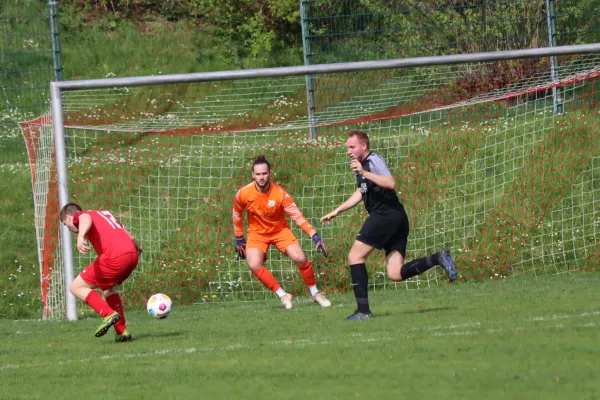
19 267
496 340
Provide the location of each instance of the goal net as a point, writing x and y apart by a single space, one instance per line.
499 161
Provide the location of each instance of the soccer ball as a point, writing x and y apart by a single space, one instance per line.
159 306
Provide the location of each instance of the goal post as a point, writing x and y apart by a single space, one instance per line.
484 165
63 196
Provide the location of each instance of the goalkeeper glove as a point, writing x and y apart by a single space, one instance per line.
240 246
320 244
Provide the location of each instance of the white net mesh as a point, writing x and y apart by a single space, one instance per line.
484 165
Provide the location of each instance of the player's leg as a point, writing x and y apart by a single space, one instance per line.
374 233
395 249
84 288
87 292
117 270
114 300
395 262
256 249
398 270
296 254
360 278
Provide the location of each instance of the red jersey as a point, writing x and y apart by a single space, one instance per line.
266 211
106 234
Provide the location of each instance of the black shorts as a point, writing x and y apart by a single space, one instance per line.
386 230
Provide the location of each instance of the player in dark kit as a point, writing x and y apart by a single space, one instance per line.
118 253
386 226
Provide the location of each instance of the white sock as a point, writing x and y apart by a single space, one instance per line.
280 292
313 290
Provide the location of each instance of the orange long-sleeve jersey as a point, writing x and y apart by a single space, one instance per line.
266 211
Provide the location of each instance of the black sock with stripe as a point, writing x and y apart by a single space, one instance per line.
360 282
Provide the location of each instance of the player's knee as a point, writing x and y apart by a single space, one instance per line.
303 264
355 258
254 266
394 276
300 261
74 286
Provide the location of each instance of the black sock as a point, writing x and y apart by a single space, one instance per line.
418 266
360 283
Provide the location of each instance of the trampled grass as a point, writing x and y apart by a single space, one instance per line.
525 339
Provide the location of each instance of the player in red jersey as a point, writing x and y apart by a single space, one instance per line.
267 203
118 253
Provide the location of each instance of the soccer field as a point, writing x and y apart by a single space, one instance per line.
525 339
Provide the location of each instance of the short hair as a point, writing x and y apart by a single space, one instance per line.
362 137
261 160
69 209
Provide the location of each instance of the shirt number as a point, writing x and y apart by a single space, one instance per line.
110 219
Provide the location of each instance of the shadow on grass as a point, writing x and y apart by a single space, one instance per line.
141 336
432 309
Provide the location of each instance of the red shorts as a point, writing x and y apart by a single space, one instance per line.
107 272
282 240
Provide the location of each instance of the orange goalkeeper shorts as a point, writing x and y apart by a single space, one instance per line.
282 240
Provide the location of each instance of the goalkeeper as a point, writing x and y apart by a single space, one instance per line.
385 228
267 203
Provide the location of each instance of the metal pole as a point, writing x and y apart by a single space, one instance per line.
53 9
551 21
592 48
63 195
310 90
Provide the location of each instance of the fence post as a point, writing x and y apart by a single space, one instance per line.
56 62
310 90
551 21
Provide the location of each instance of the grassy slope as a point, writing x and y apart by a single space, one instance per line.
96 54
157 47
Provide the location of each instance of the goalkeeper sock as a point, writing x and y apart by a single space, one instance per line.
114 300
360 283
308 273
418 266
267 278
96 301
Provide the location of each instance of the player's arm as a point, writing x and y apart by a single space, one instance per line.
290 207
381 176
348 204
238 224
85 224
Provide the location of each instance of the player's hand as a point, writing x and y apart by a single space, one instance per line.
240 246
81 246
320 244
357 167
327 219
138 246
